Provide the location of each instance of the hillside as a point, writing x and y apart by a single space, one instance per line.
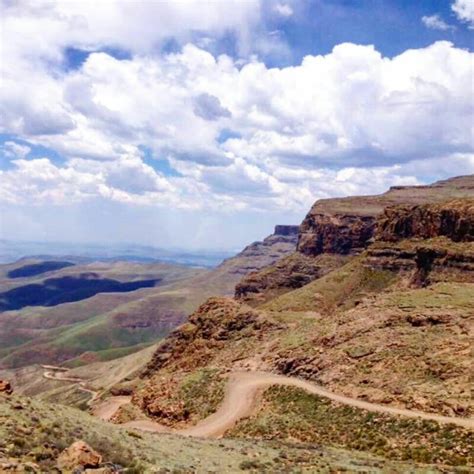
366 352
104 325
33 434
391 324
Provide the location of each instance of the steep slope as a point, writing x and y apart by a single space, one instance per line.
336 229
392 326
347 225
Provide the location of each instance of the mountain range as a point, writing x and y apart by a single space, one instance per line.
342 344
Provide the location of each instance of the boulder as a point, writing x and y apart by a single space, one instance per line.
79 455
5 387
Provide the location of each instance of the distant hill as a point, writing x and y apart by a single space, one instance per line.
103 310
11 251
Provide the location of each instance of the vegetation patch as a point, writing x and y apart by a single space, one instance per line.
342 289
202 392
290 413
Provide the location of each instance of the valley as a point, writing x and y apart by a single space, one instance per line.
347 340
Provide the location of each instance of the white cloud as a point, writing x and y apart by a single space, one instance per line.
283 9
138 27
12 150
464 10
435 22
339 123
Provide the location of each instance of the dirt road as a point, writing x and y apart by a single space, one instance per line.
60 374
242 395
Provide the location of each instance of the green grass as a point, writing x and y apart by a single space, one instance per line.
31 430
448 296
340 289
290 413
202 392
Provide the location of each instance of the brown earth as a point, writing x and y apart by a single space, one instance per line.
453 219
392 326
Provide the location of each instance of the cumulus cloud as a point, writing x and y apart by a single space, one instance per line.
464 10
350 121
435 22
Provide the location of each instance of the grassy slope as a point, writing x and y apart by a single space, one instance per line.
359 331
120 320
292 413
105 321
100 377
31 430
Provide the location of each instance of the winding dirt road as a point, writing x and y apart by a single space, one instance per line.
240 400
60 374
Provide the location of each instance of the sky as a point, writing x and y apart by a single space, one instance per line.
200 125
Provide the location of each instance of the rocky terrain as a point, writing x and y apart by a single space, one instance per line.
39 437
349 336
347 225
390 323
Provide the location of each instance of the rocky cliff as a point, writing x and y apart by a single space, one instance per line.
347 225
263 253
289 273
453 219
390 325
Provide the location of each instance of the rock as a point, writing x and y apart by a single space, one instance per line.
14 465
217 320
342 234
347 225
79 455
453 219
5 387
287 230
289 273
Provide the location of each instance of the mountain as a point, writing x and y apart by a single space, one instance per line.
390 323
77 312
351 332
12 250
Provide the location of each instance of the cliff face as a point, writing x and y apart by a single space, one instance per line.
428 240
263 253
287 274
347 225
452 219
335 229
342 234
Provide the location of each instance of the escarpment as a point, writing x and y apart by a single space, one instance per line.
287 274
348 225
452 219
336 229
376 303
429 240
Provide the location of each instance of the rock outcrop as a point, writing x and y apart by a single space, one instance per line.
5 387
287 274
347 225
216 322
78 456
452 219
342 234
426 239
263 253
